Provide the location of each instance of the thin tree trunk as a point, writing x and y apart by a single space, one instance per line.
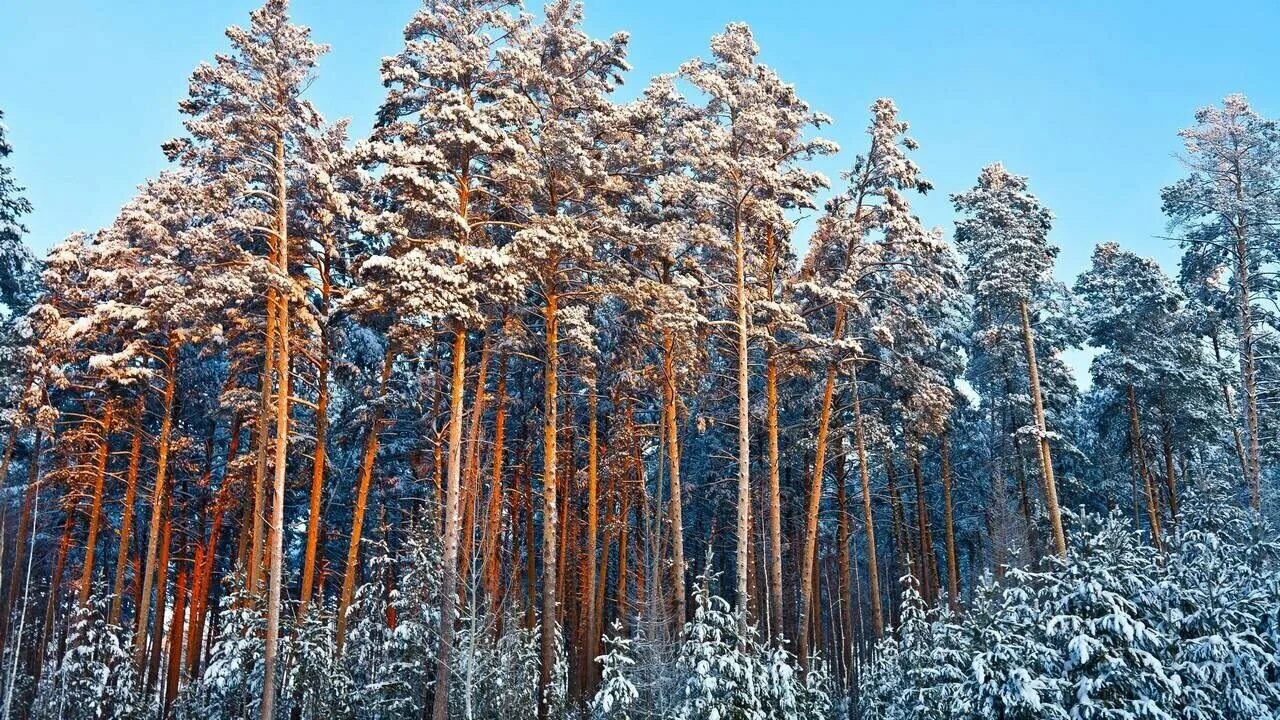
275 540
95 507
452 524
471 469
1171 483
843 559
775 503
953 568
362 500
744 429
1141 470
593 528
493 546
162 597
1046 459
262 439
55 589
17 575
157 501
175 642
550 506
807 582
126 514
868 518
530 554
928 564
671 411
321 451
1231 413
1248 375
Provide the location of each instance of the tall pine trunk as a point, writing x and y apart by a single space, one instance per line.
1141 470
362 500
126 514
493 526
275 538
948 518
868 518
95 507
744 430
807 564
1046 459
671 412
1248 373
452 523
550 507
158 494
321 450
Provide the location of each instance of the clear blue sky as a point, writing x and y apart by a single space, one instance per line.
1084 97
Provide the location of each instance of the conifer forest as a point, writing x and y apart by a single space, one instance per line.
536 403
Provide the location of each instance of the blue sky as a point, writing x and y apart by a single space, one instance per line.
1084 97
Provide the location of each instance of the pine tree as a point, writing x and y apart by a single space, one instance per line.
745 151
17 264
1224 210
1004 236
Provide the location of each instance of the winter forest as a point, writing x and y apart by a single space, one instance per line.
537 403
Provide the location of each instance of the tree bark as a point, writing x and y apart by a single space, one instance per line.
593 528
157 501
126 514
671 411
262 439
744 434
1141 470
452 523
550 507
175 642
868 518
1248 374
321 451
95 507
776 620
807 582
275 539
493 532
1046 459
362 500
948 515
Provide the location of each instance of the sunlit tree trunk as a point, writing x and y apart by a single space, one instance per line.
95 506
744 430
158 495
550 504
807 582
1141 470
593 529
1046 459
126 514
671 411
321 450
868 518
362 500
452 523
843 559
262 440
493 532
175 641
